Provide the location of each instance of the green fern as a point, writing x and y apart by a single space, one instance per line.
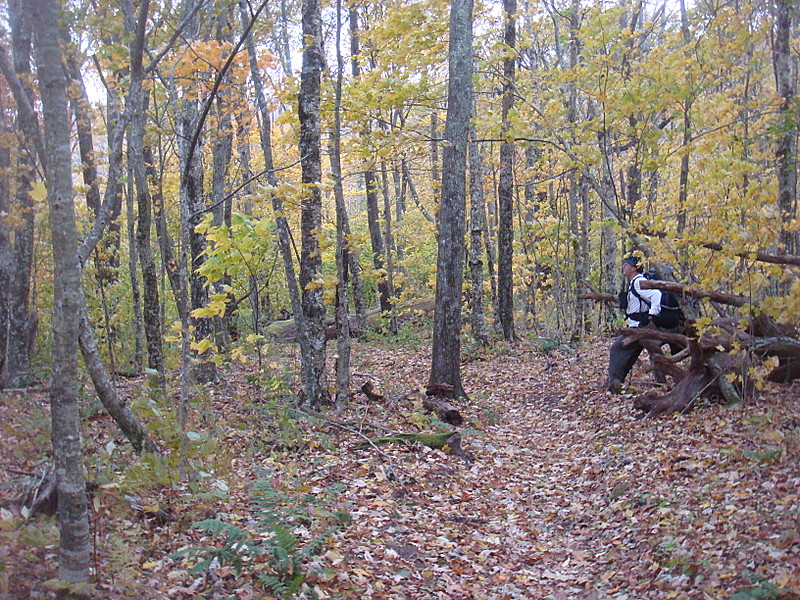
283 552
120 560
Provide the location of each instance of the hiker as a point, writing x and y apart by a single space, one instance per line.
640 306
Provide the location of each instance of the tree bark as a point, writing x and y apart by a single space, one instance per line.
314 392
127 422
477 222
136 293
221 154
505 190
281 224
135 105
203 371
342 275
73 519
446 352
371 188
786 149
18 346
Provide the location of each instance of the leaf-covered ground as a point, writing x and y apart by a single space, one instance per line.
570 494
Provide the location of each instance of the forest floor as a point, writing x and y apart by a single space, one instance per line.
570 494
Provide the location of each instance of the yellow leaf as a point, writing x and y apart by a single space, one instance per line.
199 313
202 345
39 192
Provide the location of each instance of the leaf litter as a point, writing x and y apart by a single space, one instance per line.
570 495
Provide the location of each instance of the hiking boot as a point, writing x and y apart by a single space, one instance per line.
614 386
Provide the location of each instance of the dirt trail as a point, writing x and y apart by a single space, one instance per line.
571 496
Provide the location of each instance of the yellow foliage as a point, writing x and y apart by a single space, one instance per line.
203 346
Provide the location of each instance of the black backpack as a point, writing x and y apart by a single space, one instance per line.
671 314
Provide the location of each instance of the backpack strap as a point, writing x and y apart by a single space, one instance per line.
642 301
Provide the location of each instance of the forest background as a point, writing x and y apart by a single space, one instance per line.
178 189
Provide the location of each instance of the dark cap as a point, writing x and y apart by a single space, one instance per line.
632 261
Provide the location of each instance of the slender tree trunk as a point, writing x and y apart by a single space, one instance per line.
584 263
136 293
491 258
314 391
477 222
399 215
18 346
371 187
436 177
73 518
221 154
786 150
243 145
6 141
573 212
151 305
388 244
505 190
528 242
342 316
412 190
203 371
127 422
107 257
683 177
446 352
281 224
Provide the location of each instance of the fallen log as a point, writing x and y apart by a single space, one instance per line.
598 297
679 399
721 355
437 441
286 330
708 374
765 257
444 410
683 290
371 392
448 441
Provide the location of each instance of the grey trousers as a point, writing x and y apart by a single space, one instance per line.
621 359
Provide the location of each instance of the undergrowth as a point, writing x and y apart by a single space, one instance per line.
285 532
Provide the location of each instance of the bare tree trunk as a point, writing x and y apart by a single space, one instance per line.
243 146
786 150
282 225
17 350
221 152
388 244
151 303
314 392
136 293
412 189
6 140
204 370
529 242
342 316
574 211
577 186
505 190
127 422
477 222
73 518
371 187
436 177
107 259
446 352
